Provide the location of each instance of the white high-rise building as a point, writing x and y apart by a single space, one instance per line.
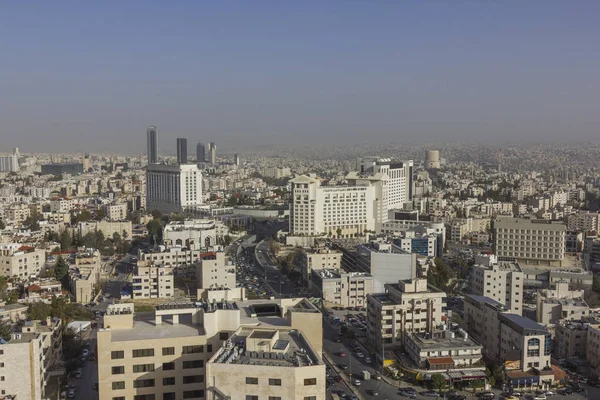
336 210
173 188
400 178
10 162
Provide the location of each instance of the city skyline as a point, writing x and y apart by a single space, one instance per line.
409 71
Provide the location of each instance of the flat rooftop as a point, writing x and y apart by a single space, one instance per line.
443 341
509 266
269 312
289 350
147 329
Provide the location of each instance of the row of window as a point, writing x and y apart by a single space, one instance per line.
166 351
253 397
188 394
170 381
119 370
277 382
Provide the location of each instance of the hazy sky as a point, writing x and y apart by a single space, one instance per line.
77 76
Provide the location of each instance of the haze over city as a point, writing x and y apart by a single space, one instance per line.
90 77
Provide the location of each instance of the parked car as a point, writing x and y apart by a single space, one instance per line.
429 393
71 394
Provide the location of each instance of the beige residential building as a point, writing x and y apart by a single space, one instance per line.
11 313
214 271
108 228
181 259
20 261
195 234
84 276
17 213
530 241
523 345
406 307
593 348
115 212
152 281
346 289
189 351
502 281
318 258
559 304
584 222
30 359
570 339
62 205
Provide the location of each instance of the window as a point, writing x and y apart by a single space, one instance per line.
168 351
143 353
310 382
193 364
117 355
169 381
119 398
223 336
170 366
251 381
143 383
169 396
274 382
118 370
209 348
143 368
251 397
118 385
274 398
144 397
193 394
310 397
192 349
193 379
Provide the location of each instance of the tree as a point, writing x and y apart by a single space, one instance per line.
65 240
227 240
339 232
439 382
40 310
32 222
156 214
154 229
61 270
5 331
100 214
274 246
83 216
2 226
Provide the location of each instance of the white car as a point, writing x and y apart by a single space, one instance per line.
71 393
540 397
549 393
356 382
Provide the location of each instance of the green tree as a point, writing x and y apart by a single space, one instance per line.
32 222
2 226
227 240
61 270
100 214
156 214
339 232
65 240
40 310
5 331
155 229
83 216
439 382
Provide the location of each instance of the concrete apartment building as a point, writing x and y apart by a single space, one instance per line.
529 241
84 276
152 281
17 213
115 212
335 211
181 259
215 271
446 351
593 349
60 205
108 228
275 173
11 313
20 261
30 359
189 351
502 281
410 306
318 258
583 222
194 234
571 337
173 188
561 303
345 289
384 261
400 184
523 345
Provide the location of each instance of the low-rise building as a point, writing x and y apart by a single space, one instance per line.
115 212
215 271
445 350
318 258
346 289
406 307
560 304
593 349
20 261
12 313
570 339
196 234
152 282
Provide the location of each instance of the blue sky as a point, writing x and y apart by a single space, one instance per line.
79 76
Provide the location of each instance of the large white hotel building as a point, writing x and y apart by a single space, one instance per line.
173 188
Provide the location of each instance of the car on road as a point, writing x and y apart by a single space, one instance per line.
487 395
343 366
95 386
71 394
568 390
341 354
429 393
78 374
407 393
356 382
372 392
549 393
541 396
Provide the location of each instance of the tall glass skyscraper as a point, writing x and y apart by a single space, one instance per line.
200 152
152 137
181 150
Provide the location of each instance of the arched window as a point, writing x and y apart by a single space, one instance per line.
178 242
208 242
